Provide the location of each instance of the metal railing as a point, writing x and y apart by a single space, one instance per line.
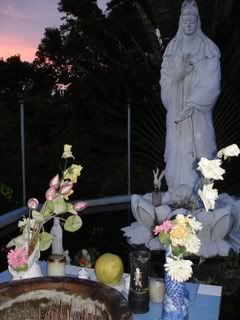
105 204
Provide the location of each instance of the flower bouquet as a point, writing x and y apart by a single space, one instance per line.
211 170
34 238
180 239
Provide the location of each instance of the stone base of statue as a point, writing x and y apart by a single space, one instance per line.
221 226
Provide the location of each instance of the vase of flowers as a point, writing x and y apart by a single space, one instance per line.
180 239
176 300
22 266
23 259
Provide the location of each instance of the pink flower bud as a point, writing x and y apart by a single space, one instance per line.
80 205
51 194
33 203
55 181
66 187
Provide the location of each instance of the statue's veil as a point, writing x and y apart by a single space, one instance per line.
189 7
210 50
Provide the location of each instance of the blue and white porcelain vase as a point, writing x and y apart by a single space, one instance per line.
176 300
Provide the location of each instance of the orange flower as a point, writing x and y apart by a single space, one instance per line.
179 235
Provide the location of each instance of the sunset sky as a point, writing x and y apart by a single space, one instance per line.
22 25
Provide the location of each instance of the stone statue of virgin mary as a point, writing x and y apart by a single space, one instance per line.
190 86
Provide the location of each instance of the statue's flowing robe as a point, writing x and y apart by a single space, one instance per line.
192 138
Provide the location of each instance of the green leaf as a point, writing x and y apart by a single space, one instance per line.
18 242
164 238
38 216
47 208
45 240
73 223
176 251
59 205
23 268
70 208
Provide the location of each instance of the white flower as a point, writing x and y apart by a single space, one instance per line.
211 169
230 151
180 219
67 153
178 269
193 244
26 222
208 196
195 225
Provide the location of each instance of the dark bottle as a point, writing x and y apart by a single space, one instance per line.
139 290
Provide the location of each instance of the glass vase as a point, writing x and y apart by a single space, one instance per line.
139 291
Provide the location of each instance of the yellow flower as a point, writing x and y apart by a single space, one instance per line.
73 172
179 235
67 153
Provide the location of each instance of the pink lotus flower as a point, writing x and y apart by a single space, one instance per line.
55 181
17 258
66 187
33 203
51 194
80 205
165 227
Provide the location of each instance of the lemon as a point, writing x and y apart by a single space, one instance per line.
109 268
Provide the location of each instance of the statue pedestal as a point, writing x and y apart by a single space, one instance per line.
220 232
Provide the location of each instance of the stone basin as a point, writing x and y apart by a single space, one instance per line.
61 298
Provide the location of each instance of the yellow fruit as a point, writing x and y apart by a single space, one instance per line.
109 268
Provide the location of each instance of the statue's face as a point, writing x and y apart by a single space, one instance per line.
189 24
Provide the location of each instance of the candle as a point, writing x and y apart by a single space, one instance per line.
156 290
56 265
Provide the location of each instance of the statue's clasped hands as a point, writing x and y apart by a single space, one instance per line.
186 66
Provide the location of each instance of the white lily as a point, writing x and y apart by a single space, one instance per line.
208 196
230 151
211 169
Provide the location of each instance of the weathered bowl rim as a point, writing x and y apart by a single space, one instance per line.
114 301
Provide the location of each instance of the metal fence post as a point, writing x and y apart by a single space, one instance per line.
23 153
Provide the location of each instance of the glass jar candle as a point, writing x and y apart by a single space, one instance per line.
156 290
56 265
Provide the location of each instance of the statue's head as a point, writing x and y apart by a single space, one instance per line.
189 18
